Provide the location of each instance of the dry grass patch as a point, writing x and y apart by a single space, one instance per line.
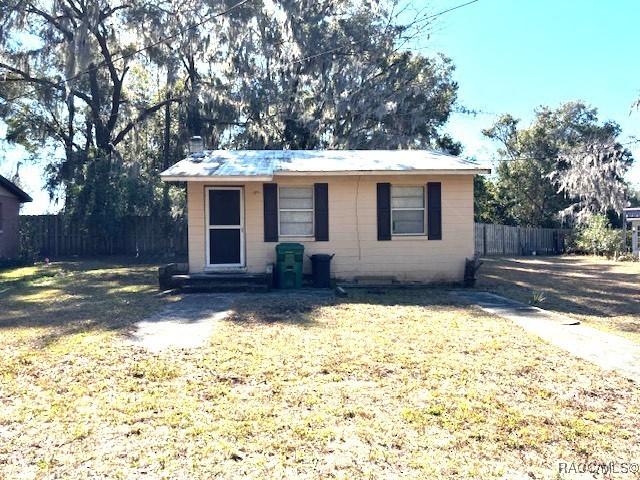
404 384
599 292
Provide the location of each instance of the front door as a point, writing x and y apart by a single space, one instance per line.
225 232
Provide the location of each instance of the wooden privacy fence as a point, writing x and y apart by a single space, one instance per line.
58 236
493 239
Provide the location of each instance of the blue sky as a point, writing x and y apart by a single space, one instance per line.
512 56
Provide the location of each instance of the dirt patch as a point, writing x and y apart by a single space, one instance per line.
187 323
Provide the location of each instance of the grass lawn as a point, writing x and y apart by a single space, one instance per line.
397 385
602 293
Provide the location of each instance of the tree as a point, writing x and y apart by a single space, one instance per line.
334 75
593 179
537 173
116 89
71 88
486 205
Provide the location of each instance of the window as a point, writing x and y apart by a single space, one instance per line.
296 211
407 210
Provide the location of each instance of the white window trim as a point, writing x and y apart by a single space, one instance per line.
222 266
424 211
312 210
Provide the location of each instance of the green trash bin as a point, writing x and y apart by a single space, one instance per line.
289 265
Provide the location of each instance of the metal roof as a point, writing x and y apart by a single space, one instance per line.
263 165
11 187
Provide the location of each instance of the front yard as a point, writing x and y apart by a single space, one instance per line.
401 384
602 293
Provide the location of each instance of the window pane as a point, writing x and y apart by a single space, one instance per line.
296 223
296 203
224 246
408 221
296 217
296 197
407 197
224 207
296 229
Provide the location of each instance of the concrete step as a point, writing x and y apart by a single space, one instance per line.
221 282
207 277
225 287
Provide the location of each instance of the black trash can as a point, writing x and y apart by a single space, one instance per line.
321 270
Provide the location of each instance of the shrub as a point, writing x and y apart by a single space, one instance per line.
598 238
28 251
626 257
570 243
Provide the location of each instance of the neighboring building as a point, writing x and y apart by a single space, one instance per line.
406 214
11 196
632 216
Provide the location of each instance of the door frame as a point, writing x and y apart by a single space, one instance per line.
208 228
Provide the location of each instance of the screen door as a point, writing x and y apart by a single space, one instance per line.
225 232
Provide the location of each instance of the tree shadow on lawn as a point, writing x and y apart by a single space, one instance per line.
571 285
270 309
301 308
73 297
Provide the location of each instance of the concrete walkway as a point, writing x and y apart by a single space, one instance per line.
609 351
190 321
186 323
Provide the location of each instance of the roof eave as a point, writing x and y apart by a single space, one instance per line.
267 178
470 171
12 188
25 198
217 178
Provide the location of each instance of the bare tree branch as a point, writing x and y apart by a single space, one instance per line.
25 77
55 21
143 115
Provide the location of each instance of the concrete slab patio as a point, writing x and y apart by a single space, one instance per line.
609 351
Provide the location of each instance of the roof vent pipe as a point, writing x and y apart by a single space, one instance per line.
196 144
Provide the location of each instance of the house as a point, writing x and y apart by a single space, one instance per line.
11 196
406 214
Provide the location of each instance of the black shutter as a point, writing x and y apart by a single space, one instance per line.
270 200
434 210
384 211
321 208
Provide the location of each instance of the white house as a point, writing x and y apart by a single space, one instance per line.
406 214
